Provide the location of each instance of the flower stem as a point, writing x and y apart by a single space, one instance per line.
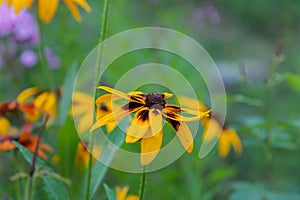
42 55
97 74
40 135
28 189
143 184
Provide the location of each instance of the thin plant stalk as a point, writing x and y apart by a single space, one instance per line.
42 55
29 184
35 154
143 184
97 74
28 189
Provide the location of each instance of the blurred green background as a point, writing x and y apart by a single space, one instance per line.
255 44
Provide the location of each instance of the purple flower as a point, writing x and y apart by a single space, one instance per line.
28 58
26 30
7 19
21 26
208 11
52 59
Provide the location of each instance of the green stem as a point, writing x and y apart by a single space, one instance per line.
89 170
28 189
97 74
143 184
42 55
17 184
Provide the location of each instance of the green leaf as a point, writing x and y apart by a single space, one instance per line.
65 101
239 98
28 155
221 174
293 80
55 189
99 170
109 193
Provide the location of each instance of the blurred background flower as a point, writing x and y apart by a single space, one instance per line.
19 38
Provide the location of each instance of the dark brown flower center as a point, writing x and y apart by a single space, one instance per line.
155 101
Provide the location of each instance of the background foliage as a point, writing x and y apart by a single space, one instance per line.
255 45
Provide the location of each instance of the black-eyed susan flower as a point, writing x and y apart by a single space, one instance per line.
45 102
82 109
82 154
228 137
25 139
48 8
121 194
147 123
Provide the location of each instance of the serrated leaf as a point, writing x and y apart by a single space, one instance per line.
55 189
109 193
65 101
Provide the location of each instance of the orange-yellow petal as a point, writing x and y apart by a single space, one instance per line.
212 129
83 4
185 136
192 104
19 4
117 115
26 94
138 127
47 9
4 126
224 146
155 119
84 122
115 92
121 193
71 4
150 147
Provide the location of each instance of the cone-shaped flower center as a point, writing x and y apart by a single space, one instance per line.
155 101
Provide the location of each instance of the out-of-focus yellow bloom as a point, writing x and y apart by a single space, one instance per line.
4 126
146 125
48 8
45 102
82 154
228 137
18 111
82 109
25 139
121 194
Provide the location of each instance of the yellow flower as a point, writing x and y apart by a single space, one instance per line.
4 125
82 154
228 137
48 8
25 139
147 123
17 111
44 101
82 109
121 194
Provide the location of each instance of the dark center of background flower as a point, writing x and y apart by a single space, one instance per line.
155 101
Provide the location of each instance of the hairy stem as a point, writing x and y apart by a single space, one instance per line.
97 74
